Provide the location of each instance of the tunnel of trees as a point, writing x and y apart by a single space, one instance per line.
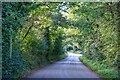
36 34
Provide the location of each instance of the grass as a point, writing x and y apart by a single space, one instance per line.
101 68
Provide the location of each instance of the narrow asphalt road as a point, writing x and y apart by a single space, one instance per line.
70 67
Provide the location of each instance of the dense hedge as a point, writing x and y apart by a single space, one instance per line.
30 39
98 36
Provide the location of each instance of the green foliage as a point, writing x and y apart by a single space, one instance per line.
98 30
33 34
12 16
98 36
58 48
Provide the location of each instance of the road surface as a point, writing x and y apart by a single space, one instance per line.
69 67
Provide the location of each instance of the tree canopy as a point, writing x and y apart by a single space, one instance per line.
35 34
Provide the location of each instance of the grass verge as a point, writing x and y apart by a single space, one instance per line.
102 69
